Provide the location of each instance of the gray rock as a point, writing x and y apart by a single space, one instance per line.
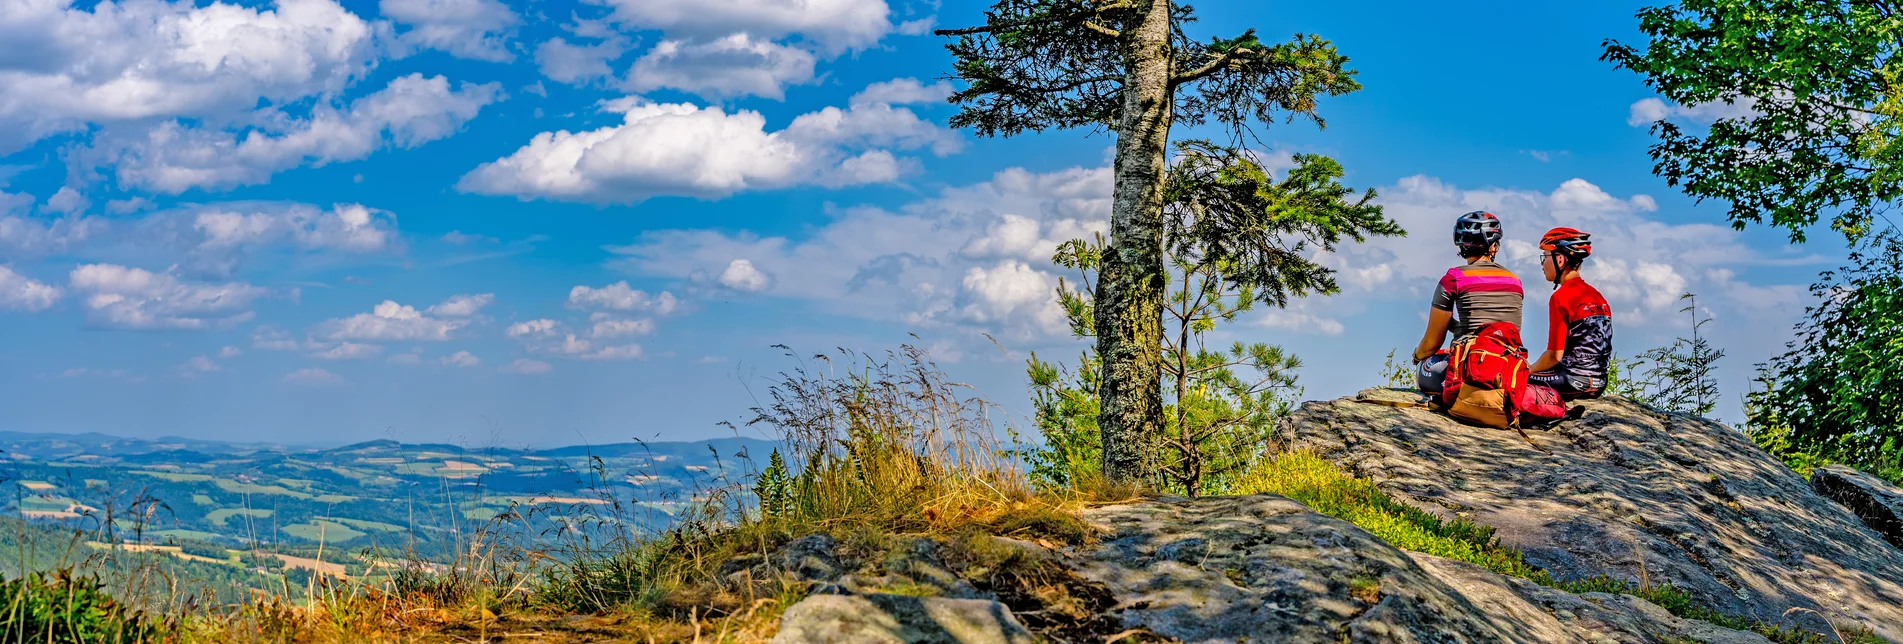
1264 568
896 619
1559 616
813 557
1878 503
1631 493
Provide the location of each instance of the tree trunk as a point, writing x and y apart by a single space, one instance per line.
1129 298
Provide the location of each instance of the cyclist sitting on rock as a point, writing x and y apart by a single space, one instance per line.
1579 340
1482 292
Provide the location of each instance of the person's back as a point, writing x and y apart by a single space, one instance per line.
1479 293
1579 338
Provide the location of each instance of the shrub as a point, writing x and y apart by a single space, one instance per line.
64 608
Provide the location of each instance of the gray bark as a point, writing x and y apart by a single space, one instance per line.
1130 286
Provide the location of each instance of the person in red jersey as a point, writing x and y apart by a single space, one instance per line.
1579 341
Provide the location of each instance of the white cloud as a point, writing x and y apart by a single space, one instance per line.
21 293
903 91
532 328
132 298
973 257
390 321
1011 292
733 66
462 306
68 201
475 29
571 63
613 327
348 351
145 59
462 359
173 157
582 349
314 378
620 297
221 236
685 150
128 206
832 24
20 236
1647 111
230 352
526 366
740 275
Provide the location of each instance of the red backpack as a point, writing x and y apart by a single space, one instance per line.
1492 373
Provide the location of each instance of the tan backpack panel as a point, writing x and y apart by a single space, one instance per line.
1484 407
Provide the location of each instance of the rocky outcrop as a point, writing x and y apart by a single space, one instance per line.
1258 568
879 618
1265 568
1879 504
1632 493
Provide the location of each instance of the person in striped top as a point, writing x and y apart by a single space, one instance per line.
1474 295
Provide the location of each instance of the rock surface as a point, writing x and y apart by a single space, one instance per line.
882 618
1630 493
1878 503
1265 568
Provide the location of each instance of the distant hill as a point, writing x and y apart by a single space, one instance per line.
370 494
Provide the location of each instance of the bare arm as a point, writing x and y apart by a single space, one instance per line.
1437 323
1548 360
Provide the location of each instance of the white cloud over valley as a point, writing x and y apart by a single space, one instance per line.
681 149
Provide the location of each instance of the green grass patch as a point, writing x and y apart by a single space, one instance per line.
235 487
202 499
181 533
1313 481
333 498
481 514
367 525
322 530
218 517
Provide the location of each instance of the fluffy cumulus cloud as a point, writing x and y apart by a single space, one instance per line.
829 24
69 64
621 297
463 359
390 321
174 157
533 328
736 65
741 275
21 293
132 298
682 149
475 29
219 237
975 256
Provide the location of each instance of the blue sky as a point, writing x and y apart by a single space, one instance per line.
554 222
